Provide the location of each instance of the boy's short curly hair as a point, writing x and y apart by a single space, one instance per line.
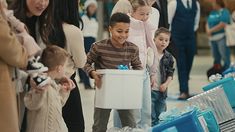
119 18
53 56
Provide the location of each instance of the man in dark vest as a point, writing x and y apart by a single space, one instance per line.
184 18
161 6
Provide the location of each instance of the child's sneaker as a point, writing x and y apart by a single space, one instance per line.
35 67
41 80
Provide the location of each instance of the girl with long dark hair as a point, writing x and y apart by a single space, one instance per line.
66 34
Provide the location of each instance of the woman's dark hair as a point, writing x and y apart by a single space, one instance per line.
220 3
67 11
117 18
45 20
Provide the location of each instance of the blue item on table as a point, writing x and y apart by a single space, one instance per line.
171 129
229 70
187 122
228 84
210 119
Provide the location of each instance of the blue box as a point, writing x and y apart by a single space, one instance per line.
187 122
228 85
229 70
210 119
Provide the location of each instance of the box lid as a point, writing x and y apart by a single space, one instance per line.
217 83
121 72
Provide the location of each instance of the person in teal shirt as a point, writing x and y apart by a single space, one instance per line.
216 22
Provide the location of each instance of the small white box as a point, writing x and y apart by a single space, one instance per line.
121 89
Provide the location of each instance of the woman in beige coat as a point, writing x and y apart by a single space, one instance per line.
12 54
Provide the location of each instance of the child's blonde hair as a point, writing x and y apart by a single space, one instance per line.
162 30
137 3
53 56
150 2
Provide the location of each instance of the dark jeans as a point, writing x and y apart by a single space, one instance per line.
186 48
88 41
72 111
24 122
158 106
221 51
83 77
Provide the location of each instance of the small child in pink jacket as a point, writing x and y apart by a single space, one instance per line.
141 33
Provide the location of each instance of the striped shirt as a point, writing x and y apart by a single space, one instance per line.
105 56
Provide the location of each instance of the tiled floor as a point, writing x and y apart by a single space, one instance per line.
197 80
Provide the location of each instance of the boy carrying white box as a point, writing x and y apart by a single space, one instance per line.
109 54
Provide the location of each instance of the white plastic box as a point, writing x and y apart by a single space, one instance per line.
121 89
